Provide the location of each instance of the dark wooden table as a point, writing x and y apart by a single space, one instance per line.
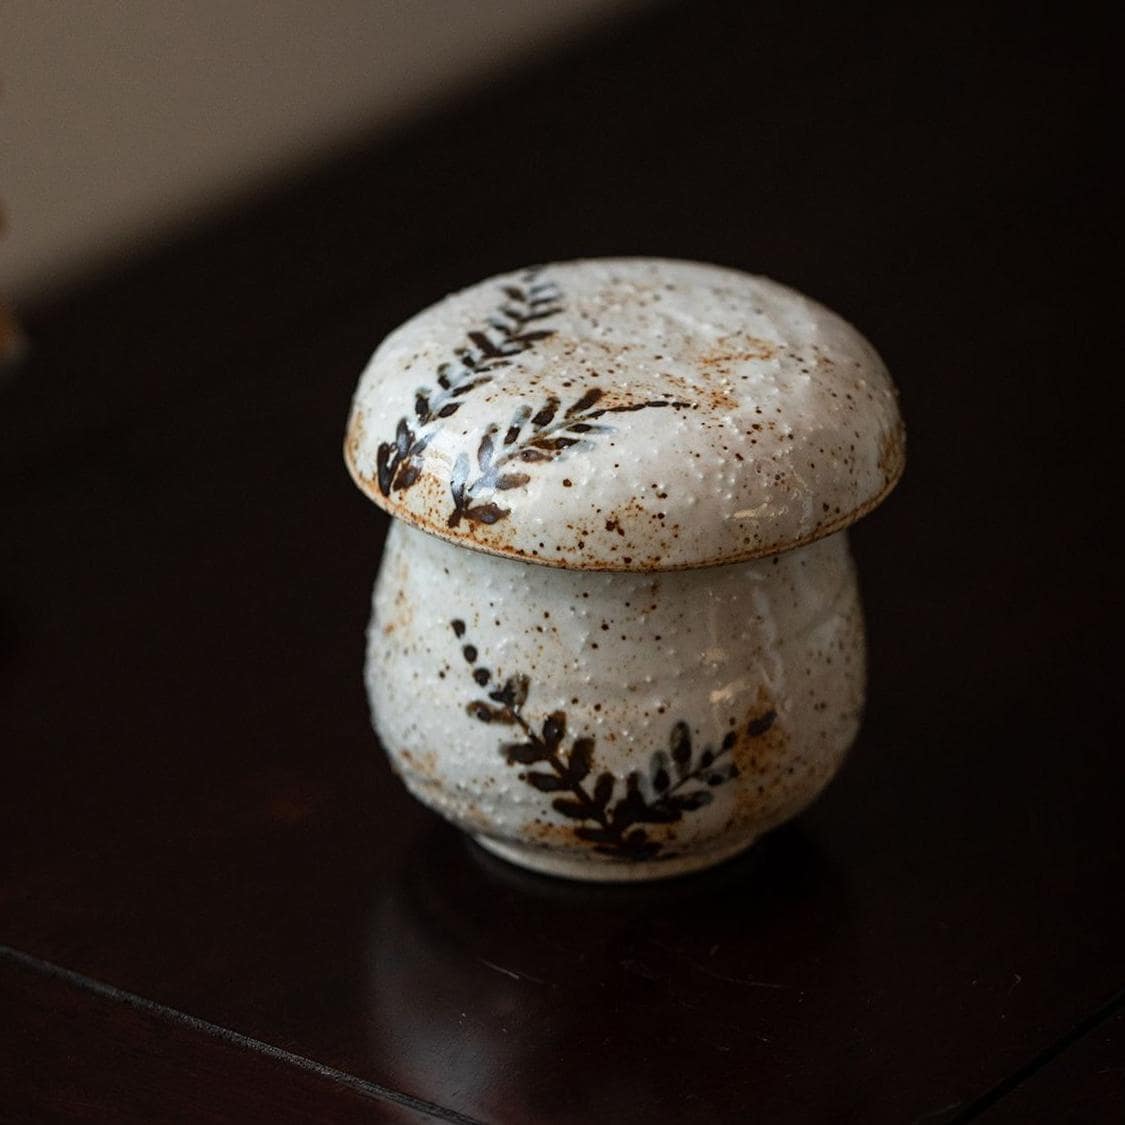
218 905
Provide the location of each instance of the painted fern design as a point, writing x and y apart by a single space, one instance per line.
546 434
611 816
513 327
532 436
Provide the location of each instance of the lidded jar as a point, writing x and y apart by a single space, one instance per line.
616 630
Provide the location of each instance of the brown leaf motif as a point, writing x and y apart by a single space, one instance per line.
547 434
534 435
609 815
511 329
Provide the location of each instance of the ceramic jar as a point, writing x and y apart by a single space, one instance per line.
616 631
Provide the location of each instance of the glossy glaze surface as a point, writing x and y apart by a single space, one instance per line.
626 414
614 725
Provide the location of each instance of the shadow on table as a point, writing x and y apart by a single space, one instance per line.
514 996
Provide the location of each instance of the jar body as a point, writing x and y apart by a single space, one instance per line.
612 725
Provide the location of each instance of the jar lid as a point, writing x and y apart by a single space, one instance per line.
626 414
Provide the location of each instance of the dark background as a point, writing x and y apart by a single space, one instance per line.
194 808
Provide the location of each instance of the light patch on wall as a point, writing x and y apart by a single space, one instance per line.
121 120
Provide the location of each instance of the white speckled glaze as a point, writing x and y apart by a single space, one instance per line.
681 445
631 660
733 417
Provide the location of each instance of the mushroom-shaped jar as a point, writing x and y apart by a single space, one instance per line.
616 630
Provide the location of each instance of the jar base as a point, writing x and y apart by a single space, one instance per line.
544 862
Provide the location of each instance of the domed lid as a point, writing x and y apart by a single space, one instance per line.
626 414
